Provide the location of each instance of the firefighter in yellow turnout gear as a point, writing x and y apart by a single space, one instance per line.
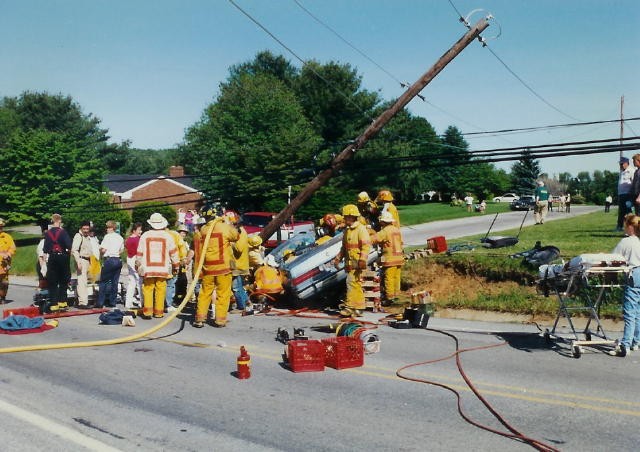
385 204
390 240
356 244
216 271
7 251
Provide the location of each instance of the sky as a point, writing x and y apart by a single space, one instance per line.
148 68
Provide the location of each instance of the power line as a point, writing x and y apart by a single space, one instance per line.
304 62
506 66
553 126
527 85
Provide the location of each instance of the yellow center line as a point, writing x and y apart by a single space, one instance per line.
390 374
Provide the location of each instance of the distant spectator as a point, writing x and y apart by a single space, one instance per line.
563 203
607 203
468 200
542 202
181 216
567 203
188 220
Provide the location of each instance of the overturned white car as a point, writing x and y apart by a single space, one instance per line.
308 267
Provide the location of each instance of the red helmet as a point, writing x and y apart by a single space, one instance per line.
232 217
329 220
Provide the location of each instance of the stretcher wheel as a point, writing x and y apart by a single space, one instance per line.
577 351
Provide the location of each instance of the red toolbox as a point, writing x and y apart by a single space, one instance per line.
343 352
305 355
29 311
437 244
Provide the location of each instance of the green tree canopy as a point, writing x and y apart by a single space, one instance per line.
251 143
142 212
45 172
524 174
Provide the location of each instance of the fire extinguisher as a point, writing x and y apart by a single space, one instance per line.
244 364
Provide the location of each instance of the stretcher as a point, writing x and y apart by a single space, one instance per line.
581 286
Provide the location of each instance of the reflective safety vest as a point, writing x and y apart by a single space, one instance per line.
356 244
218 254
391 241
181 245
268 279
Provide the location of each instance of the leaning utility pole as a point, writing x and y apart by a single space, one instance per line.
338 162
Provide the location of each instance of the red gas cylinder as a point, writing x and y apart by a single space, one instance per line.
244 364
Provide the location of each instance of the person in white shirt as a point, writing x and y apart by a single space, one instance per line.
625 203
468 200
629 247
111 247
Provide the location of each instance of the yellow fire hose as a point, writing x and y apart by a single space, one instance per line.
165 322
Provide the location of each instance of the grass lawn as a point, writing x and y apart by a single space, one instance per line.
489 279
424 213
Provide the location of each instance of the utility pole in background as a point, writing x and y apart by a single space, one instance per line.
338 162
621 121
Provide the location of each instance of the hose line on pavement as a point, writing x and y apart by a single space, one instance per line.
98 343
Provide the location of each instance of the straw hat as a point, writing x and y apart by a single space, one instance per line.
157 221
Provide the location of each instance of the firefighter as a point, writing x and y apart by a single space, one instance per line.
385 204
368 209
240 262
256 252
156 261
268 282
390 240
217 270
356 244
328 228
183 251
7 251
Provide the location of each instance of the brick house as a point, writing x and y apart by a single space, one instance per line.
176 189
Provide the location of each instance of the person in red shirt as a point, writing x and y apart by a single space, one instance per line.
133 280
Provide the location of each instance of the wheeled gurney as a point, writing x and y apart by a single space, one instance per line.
582 285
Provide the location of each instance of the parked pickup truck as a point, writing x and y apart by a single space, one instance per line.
254 223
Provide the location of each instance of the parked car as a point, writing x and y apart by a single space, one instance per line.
507 197
524 203
309 272
254 223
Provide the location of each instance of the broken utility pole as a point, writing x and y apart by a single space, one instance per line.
338 162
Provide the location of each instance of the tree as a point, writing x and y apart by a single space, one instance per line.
251 143
45 172
142 212
333 100
266 63
98 209
524 174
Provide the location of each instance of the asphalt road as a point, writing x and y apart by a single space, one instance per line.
177 391
476 224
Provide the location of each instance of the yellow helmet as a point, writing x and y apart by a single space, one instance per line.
385 195
232 217
339 218
363 196
350 210
254 241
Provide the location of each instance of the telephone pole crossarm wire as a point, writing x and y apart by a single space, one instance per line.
338 162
